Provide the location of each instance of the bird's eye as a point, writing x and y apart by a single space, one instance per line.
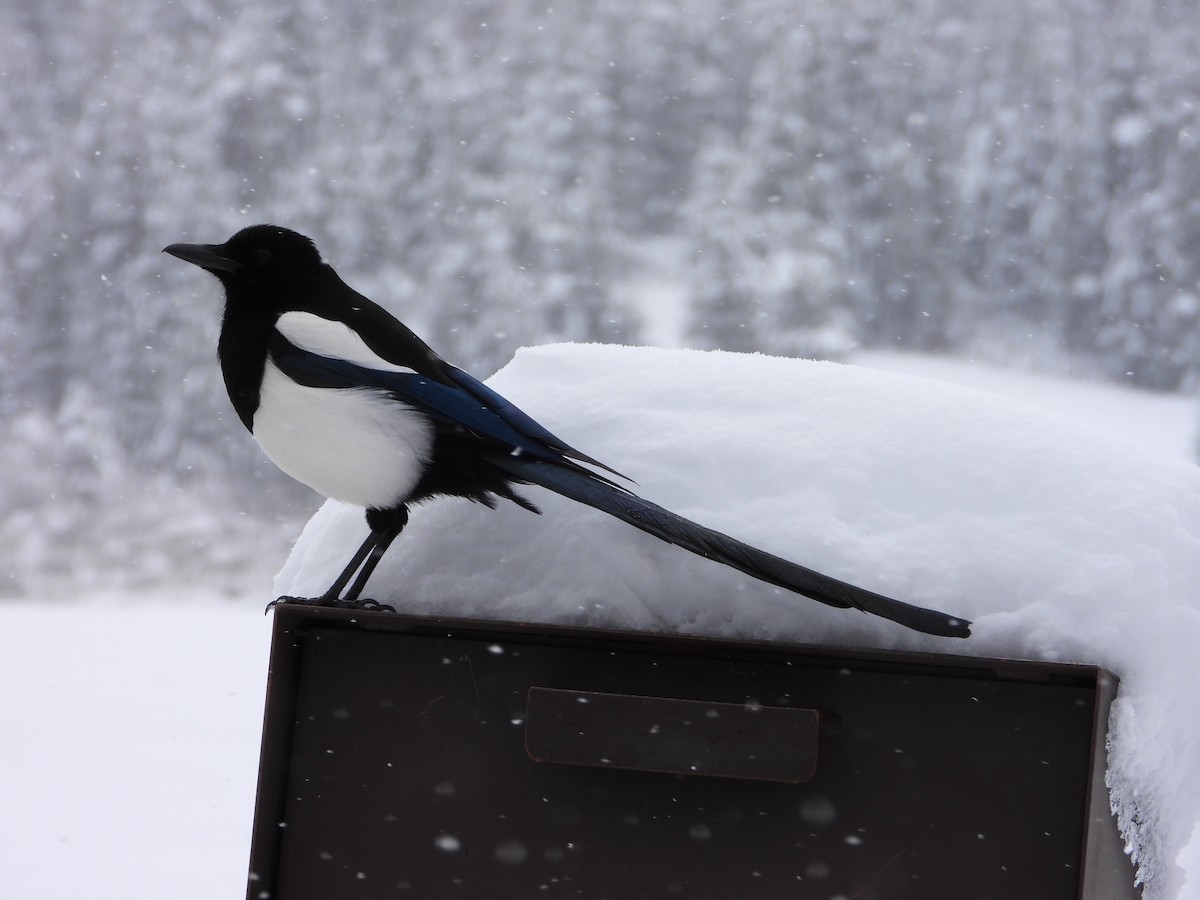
262 256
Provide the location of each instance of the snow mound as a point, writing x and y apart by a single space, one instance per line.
1061 541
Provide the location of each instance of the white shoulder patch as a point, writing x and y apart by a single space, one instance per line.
326 337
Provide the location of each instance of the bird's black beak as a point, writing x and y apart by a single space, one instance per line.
210 257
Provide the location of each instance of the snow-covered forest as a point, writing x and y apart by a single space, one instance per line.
1012 181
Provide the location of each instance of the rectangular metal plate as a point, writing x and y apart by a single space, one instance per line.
663 734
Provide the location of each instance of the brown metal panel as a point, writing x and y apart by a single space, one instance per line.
671 736
394 763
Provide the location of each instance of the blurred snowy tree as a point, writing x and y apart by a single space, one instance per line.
1010 180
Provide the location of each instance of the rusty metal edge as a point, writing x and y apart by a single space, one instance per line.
1106 873
283 678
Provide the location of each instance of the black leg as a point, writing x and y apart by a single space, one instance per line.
385 525
335 589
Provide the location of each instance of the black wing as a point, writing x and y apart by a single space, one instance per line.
464 403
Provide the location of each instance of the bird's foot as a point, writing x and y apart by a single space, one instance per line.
332 603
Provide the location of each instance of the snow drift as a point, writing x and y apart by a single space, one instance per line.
1061 541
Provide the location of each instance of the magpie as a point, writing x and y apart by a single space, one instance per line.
344 398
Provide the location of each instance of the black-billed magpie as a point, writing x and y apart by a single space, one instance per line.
346 399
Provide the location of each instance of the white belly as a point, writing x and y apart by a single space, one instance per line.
353 444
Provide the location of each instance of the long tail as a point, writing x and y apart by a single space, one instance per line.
602 494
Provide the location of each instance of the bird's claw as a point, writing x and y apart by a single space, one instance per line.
331 603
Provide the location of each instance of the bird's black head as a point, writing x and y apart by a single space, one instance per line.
260 257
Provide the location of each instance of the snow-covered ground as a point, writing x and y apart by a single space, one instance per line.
132 725
130 746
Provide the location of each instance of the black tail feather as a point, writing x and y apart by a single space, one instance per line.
580 485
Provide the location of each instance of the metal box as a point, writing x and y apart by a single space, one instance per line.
417 757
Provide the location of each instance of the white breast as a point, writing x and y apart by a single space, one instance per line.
356 445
